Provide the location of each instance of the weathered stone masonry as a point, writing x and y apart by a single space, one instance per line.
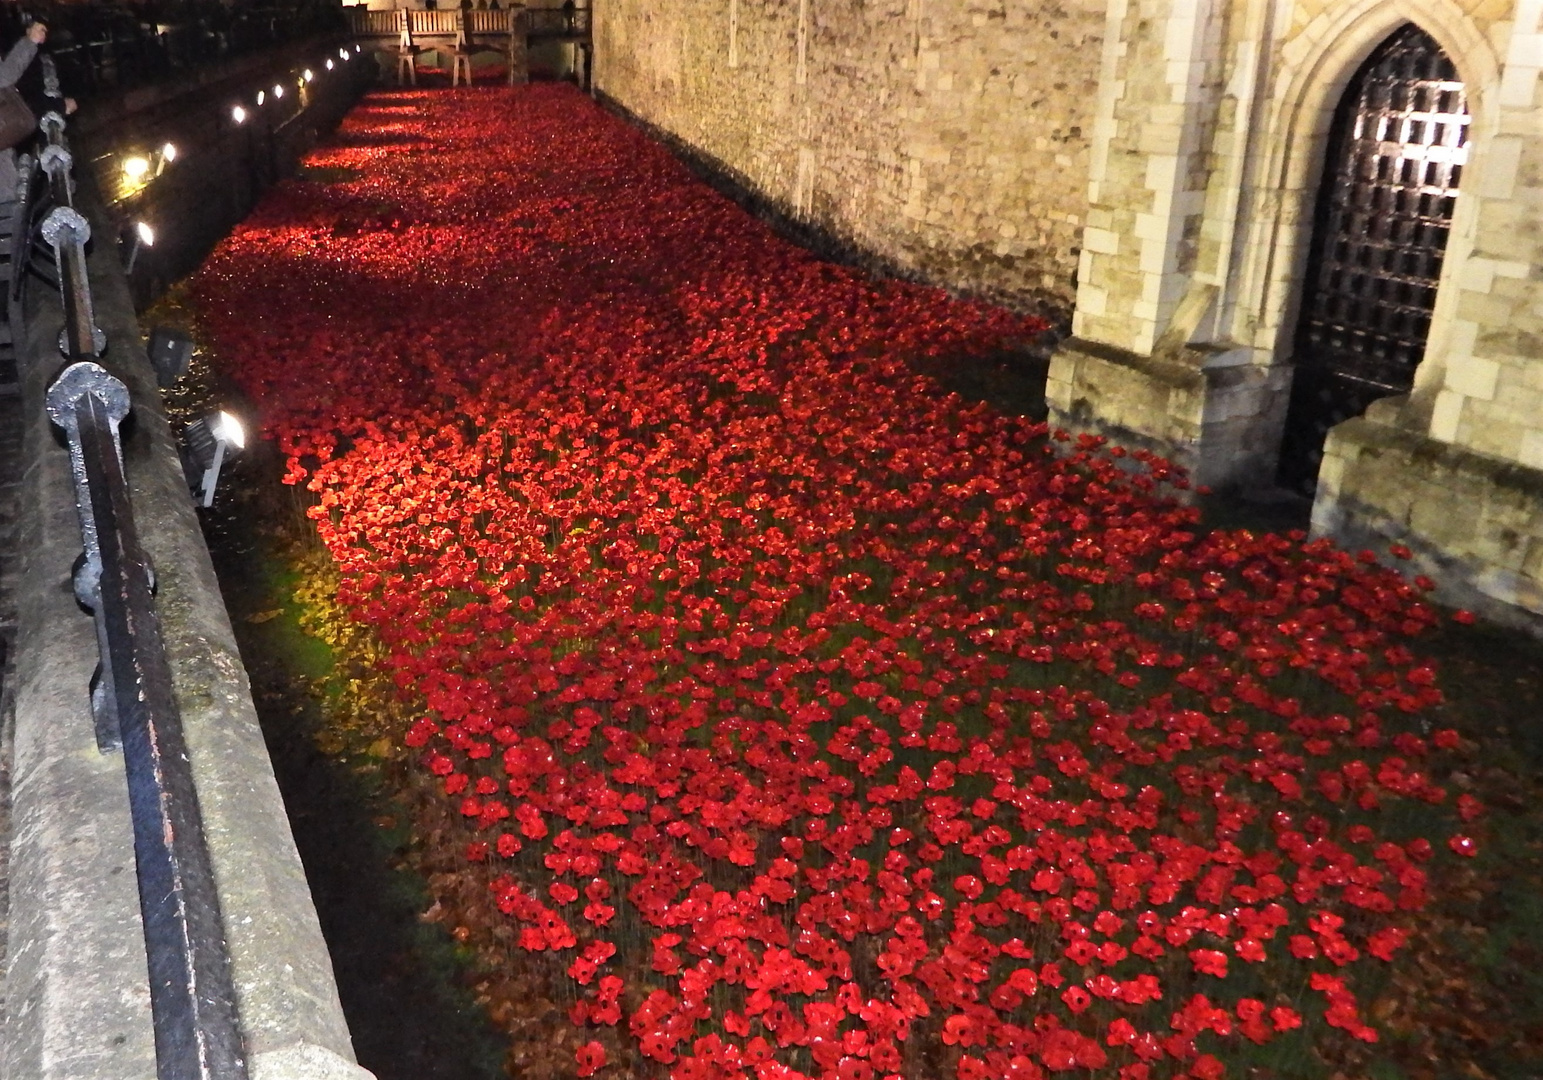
950 138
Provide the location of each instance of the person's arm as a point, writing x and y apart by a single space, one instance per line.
20 57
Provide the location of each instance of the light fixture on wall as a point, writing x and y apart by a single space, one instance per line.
206 445
164 157
144 236
308 75
329 63
136 168
344 54
262 96
278 90
238 114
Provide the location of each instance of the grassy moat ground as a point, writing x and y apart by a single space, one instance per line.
423 1005
443 976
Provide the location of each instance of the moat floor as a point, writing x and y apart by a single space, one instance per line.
667 673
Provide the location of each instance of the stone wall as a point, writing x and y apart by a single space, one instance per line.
1160 99
950 139
1474 522
1491 371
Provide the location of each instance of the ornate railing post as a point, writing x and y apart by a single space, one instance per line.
66 231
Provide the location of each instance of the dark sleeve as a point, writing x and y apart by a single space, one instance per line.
17 60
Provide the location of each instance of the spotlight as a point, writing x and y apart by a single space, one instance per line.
238 114
230 430
144 236
169 152
135 169
329 63
343 54
206 445
278 90
261 97
170 351
308 75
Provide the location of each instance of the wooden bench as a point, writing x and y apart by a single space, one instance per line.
458 31
460 51
407 51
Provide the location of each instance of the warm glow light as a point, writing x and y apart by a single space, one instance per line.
145 232
136 168
228 429
169 152
238 114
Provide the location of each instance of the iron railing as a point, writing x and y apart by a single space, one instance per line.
105 47
192 997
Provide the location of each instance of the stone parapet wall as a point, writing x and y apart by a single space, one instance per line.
951 140
76 987
1202 409
1473 522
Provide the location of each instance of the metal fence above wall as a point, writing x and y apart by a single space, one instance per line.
192 998
109 972
102 47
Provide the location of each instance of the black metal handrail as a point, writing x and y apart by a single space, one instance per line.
67 231
192 997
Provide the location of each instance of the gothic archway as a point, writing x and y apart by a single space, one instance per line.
1390 182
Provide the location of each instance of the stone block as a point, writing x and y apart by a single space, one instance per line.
1446 415
1100 241
1222 424
1494 434
1472 377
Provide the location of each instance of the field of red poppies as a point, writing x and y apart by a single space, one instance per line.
803 719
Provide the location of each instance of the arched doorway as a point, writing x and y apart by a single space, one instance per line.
1395 159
